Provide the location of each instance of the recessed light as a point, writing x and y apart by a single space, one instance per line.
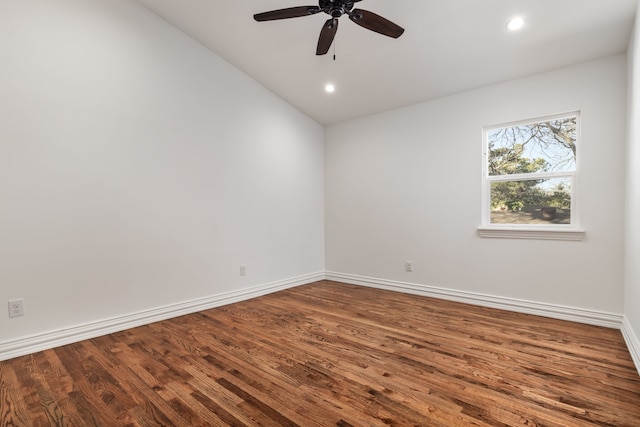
329 88
515 24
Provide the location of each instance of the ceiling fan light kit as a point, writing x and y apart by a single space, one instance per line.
335 9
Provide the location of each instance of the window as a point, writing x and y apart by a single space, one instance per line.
530 179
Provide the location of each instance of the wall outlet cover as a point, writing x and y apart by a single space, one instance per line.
16 307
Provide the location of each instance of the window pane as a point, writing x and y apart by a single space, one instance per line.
548 146
544 201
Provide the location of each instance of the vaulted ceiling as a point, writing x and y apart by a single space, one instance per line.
449 46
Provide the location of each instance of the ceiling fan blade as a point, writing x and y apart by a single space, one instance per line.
327 35
290 12
377 23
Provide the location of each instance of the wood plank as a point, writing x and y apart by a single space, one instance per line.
331 354
13 409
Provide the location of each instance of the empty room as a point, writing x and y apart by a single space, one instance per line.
319 213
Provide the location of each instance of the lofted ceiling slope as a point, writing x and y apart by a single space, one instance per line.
449 46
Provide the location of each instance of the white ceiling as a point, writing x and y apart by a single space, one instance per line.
449 46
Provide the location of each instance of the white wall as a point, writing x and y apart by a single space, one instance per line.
406 185
139 170
632 229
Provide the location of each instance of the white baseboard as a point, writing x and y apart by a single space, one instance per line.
27 345
633 341
573 314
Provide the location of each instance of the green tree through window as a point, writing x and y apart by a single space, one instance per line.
530 171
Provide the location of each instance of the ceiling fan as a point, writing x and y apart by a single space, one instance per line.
335 9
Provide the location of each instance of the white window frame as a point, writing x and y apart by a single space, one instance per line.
570 231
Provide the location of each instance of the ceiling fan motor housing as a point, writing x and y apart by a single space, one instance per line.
336 8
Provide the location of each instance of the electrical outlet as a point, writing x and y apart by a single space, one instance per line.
16 307
243 270
408 266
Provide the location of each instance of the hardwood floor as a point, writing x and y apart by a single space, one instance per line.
330 354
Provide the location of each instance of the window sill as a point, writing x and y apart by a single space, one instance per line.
527 233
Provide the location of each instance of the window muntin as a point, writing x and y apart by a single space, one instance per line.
530 169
